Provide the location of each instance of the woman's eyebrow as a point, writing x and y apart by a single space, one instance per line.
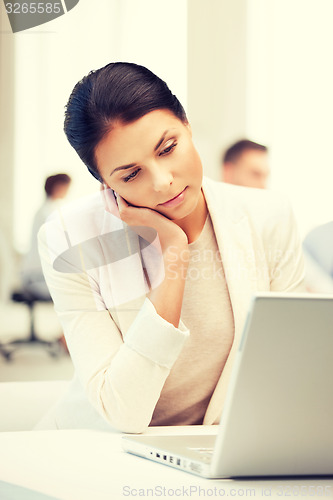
161 140
123 167
130 165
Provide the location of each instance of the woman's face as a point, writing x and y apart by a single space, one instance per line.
151 161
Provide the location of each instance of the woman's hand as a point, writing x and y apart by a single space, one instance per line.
167 297
168 232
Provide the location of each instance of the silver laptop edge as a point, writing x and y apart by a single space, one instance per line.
279 405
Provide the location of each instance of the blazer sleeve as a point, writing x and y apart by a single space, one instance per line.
122 377
284 249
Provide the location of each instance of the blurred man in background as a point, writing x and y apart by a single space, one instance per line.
33 282
245 163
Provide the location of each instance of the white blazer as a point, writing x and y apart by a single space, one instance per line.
122 350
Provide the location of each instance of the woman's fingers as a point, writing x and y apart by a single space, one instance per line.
123 206
142 219
134 216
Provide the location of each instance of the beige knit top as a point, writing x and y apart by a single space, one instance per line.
207 312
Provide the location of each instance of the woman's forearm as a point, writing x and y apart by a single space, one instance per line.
167 297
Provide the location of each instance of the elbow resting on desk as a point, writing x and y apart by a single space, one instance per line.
128 421
126 405
131 427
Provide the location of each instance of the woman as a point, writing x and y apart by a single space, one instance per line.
153 324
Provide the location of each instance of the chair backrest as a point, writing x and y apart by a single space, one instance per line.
22 404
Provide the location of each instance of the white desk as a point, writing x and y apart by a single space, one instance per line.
89 465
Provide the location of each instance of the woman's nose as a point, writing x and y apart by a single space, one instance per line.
162 179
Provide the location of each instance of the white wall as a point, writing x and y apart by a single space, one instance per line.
51 58
262 69
7 79
289 99
217 38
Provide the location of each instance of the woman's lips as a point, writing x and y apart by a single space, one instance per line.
176 200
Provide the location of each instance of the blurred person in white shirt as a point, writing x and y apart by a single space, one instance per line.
33 281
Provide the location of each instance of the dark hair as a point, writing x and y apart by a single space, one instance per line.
118 91
53 181
233 153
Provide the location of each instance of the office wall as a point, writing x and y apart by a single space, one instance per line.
290 102
7 76
303 107
217 76
261 69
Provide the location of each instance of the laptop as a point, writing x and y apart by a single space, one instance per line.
278 413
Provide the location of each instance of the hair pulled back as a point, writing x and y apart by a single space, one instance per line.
119 91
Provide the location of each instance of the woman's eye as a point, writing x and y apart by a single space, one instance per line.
168 149
131 176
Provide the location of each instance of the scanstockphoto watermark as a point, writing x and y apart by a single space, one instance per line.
208 264
195 491
183 491
272 255
25 14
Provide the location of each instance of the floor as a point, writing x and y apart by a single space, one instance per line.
35 363
32 361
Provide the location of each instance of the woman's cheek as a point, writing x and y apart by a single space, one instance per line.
137 201
192 165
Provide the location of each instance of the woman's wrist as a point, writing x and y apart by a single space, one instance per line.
176 251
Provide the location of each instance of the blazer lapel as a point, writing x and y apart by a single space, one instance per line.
233 235
235 242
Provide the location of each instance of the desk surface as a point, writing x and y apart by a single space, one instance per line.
90 465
